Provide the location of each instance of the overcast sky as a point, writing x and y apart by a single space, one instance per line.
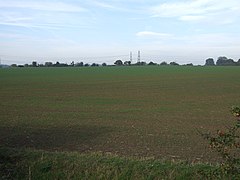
105 30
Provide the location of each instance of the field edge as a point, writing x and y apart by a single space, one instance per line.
36 164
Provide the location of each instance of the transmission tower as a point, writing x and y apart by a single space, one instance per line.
130 56
139 57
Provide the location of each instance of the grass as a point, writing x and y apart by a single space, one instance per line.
25 164
129 111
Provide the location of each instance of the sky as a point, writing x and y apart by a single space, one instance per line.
184 31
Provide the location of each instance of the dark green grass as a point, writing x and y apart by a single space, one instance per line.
130 111
15 164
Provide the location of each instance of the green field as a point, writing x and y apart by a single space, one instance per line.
128 111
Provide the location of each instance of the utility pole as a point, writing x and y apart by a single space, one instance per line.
139 57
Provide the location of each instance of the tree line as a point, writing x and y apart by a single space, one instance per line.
58 64
221 61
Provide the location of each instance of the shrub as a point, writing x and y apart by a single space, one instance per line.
227 145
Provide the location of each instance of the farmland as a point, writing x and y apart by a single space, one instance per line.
148 111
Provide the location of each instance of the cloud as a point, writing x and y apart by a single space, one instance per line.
42 6
113 6
11 36
43 25
192 18
103 5
213 40
44 15
195 10
152 34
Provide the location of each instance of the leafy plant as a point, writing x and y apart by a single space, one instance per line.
227 145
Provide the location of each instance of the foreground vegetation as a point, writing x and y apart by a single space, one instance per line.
227 144
25 164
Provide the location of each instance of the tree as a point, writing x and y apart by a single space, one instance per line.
34 64
118 63
210 62
57 64
232 62
164 63
127 63
224 61
142 63
94 64
48 64
152 64
174 64
104 64
60 64
79 64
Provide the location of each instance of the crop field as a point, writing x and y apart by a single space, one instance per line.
148 111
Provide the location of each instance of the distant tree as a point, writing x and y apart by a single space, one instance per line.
210 62
72 63
174 64
21 66
152 64
13 65
142 63
224 61
57 64
34 64
189 64
163 63
127 63
79 64
104 64
94 64
232 62
238 63
118 63
86 65
26 65
48 64
64 65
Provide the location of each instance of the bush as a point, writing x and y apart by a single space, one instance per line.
227 145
